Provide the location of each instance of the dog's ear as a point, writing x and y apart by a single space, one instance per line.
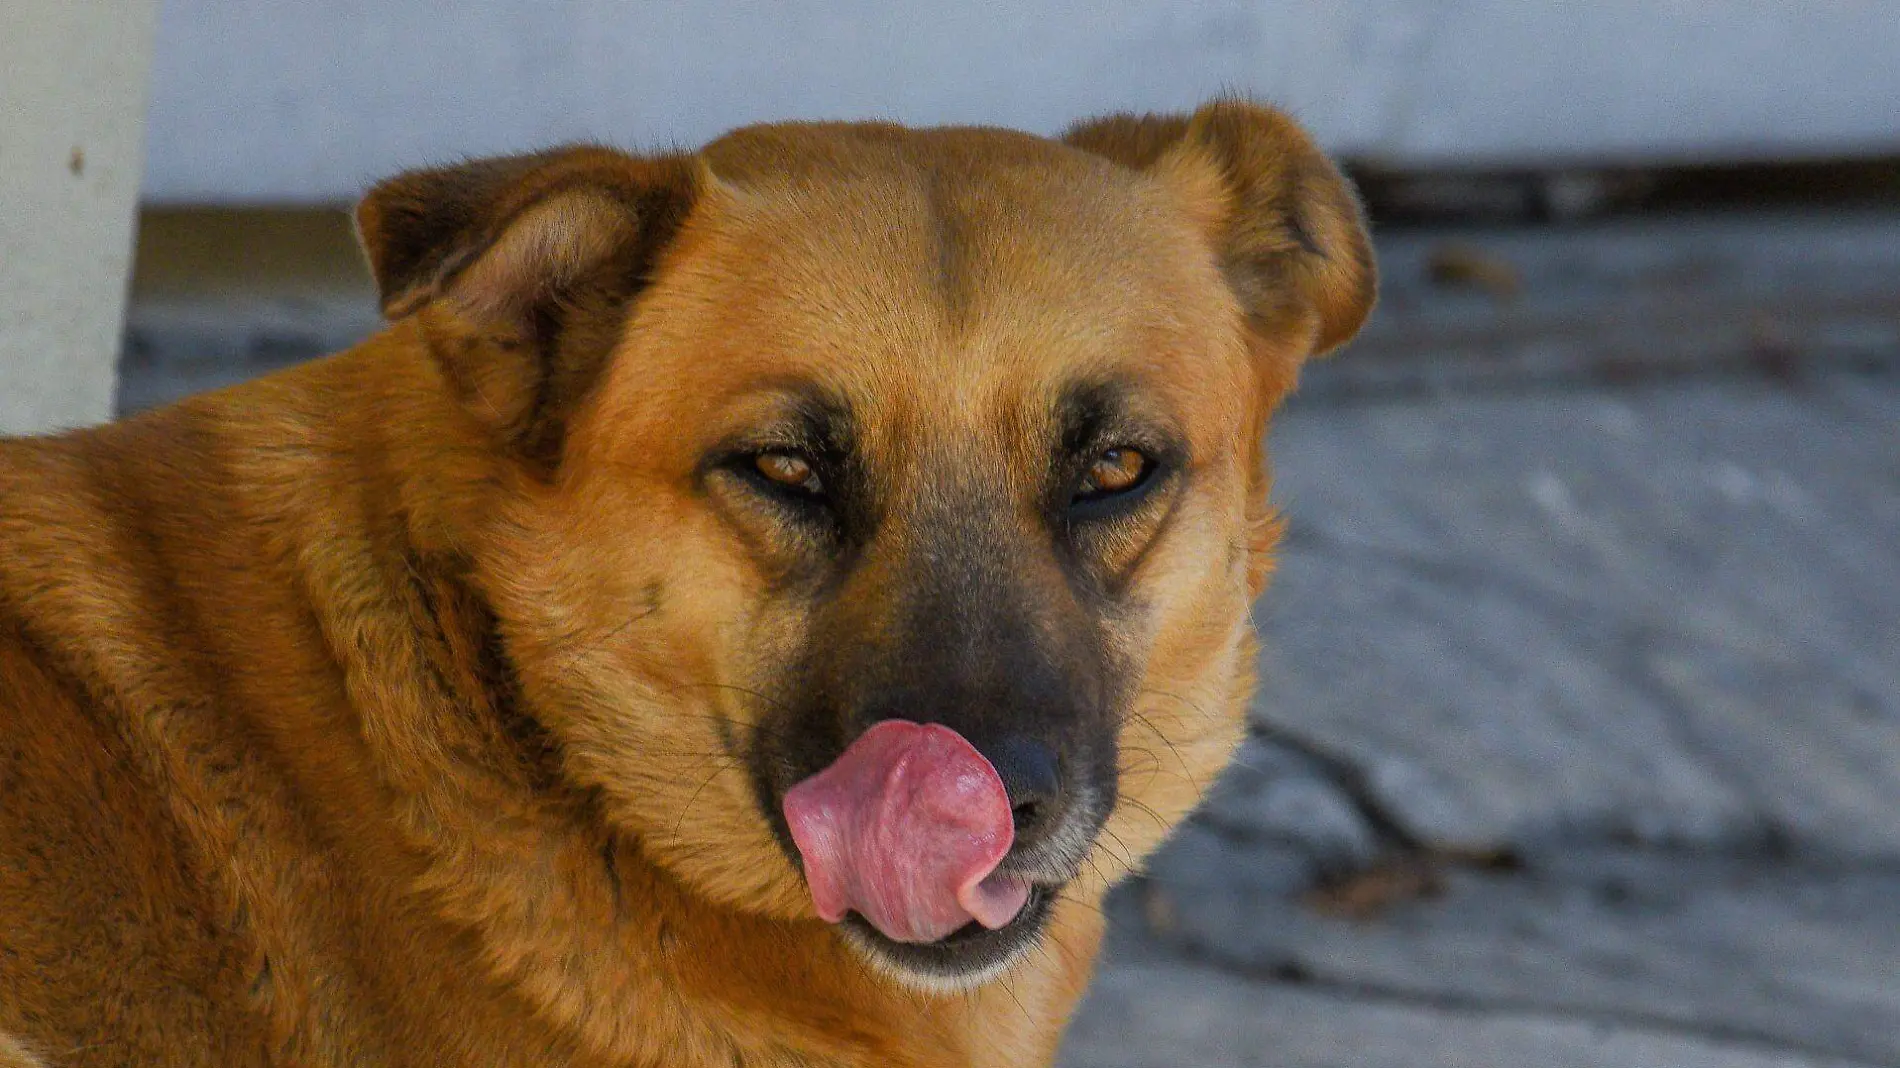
1284 222
520 270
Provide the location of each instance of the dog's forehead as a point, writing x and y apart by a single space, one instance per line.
943 216
883 263
945 285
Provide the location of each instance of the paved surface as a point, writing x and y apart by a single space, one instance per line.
1579 740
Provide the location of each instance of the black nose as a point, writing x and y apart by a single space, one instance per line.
1033 779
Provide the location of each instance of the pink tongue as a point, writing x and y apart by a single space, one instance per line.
905 829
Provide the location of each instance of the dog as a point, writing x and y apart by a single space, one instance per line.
746 608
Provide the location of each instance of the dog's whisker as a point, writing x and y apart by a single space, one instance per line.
1009 987
680 823
1127 854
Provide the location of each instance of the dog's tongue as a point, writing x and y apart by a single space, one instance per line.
905 829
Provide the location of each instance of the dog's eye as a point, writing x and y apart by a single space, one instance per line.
790 470
1114 472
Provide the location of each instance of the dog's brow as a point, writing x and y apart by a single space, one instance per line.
795 413
826 417
1083 408
1087 412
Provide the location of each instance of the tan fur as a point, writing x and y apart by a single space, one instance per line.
268 795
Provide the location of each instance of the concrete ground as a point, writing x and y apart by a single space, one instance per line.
1578 742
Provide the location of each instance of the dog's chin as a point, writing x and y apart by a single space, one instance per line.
965 959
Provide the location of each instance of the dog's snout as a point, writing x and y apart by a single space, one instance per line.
962 622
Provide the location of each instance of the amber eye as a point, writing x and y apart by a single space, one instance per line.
790 470
1116 471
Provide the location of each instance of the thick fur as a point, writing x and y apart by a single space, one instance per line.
383 711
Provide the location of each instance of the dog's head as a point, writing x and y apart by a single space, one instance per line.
883 507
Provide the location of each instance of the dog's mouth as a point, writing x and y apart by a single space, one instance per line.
907 841
970 955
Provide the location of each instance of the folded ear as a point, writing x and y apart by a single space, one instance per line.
1286 225
519 271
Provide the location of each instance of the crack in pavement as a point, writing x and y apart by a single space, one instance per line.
1764 839
1620 636
1343 774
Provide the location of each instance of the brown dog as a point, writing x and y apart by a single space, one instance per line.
746 610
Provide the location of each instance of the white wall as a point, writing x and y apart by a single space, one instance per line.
72 109
257 100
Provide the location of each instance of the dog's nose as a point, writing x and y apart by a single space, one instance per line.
1033 779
